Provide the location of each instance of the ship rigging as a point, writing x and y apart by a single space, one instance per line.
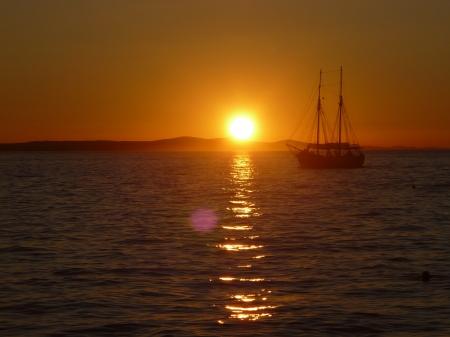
326 148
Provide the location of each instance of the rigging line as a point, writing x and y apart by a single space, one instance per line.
325 136
309 127
330 71
324 128
327 127
324 105
331 92
349 128
311 131
301 119
349 104
330 130
311 122
353 135
329 84
324 119
349 134
302 116
346 132
336 124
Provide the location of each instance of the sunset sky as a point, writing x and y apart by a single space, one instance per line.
147 70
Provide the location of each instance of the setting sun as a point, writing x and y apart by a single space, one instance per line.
241 128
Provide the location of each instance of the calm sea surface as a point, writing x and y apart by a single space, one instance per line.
223 244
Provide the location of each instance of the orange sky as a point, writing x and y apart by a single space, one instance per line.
146 70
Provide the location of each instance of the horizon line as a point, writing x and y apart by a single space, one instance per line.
218 138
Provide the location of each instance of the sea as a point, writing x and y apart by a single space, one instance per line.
223 244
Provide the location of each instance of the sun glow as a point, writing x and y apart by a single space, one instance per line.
241 128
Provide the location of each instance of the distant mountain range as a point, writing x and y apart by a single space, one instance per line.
173 144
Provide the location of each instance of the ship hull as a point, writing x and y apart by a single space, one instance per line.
310 160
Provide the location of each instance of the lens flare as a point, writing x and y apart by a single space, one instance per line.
203 220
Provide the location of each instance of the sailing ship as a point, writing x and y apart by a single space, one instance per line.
327 148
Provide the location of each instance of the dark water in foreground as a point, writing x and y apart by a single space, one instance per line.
115 244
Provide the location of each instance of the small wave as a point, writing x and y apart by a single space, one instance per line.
28 308
399 259
139 241
71 272
24 175
376 266
435 186
368 214
17 249
146 293
111 329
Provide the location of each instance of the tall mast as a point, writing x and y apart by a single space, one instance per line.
318 112
340 114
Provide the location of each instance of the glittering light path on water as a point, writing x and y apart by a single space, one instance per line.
250 300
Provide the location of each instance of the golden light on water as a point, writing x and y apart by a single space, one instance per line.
250 303
244 298
238 227
250 309
242 279
241 202
246 316
239 247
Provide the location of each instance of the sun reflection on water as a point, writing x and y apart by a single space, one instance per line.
242 279
251 308
239 247
238 227
249 302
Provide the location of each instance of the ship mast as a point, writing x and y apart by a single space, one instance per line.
318 112
340 114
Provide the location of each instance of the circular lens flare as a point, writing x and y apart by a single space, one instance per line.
203 220
241 128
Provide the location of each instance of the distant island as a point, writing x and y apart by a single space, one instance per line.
166 145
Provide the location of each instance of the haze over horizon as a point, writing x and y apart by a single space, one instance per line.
149 70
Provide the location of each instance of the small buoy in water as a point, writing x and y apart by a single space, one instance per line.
426 276
413 186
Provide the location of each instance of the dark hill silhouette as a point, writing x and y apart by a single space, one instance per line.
173 144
